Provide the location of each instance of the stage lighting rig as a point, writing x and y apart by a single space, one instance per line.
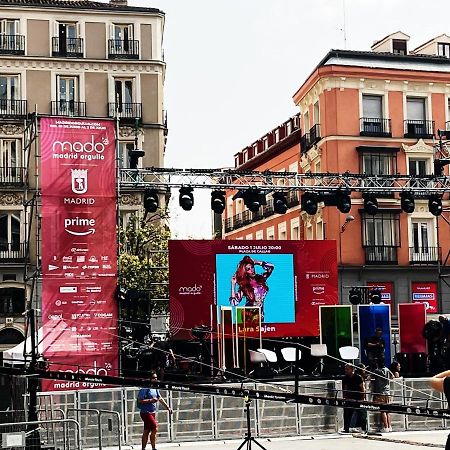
370 204
151 200
375 296
218 201
435 205
279 202
407 201
253 198
309 203
186 198
133 156
355 296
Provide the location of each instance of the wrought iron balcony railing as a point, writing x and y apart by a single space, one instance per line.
314 134
228 224
68 47
372 126
12 44
13 108
304 143
424 255
12 176
381 254
419 129
123 49
12 251
69 108
125 110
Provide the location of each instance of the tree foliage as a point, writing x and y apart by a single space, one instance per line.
143 260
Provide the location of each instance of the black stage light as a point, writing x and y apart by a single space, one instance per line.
343 202
432 330
407 202
375 296
439 165
254 198
309 203
151 200
435 205
186 199
133 157
279 202
354 296
370 205
218 201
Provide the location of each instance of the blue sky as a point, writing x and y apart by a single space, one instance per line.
233 66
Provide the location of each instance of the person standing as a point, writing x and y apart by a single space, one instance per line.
375 346
352 389
381 389
148 399
441 383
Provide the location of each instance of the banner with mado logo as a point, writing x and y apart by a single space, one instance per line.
79 250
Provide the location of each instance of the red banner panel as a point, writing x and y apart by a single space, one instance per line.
411 320
426 293
288 280
79 250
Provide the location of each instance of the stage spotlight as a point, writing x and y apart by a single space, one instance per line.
435 205
254 198
218 201
186 199
407 202
370 205
309 203
279 202
151 200
343 202
133 157
432 330
354 296
375 296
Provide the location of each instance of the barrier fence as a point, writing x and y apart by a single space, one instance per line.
111 416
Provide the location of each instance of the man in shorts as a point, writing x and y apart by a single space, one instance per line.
381 389
148 399
441 383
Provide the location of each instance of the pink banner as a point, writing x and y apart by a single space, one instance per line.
426 293
79 250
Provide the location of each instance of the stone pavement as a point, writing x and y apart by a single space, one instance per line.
416 440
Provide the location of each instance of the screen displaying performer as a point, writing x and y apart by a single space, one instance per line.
258 280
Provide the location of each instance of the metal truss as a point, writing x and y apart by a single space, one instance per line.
221 179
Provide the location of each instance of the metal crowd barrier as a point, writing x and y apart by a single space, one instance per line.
207 417
34 435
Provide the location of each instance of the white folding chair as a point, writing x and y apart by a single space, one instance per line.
319 351
349 353
290 355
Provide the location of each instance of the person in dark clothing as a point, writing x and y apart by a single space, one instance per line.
352 389
441 383
375 346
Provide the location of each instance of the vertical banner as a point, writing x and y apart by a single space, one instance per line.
371 317
79 250
426 293
411 320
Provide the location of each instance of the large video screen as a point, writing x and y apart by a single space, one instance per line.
287 280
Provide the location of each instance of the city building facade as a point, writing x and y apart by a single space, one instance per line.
78 59
374 113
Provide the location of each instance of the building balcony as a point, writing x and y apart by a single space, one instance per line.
12 252
375 127
12 109
67 48
292 199
12 44
228 225
381 254
125 110
419 129
304 143
12 176
424 255
123 49
68 108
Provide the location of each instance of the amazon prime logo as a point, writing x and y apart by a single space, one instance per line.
76 222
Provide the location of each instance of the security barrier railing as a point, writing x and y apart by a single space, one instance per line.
112 416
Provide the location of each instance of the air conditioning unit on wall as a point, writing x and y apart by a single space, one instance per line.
9 321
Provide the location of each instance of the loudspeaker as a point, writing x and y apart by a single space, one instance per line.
418 363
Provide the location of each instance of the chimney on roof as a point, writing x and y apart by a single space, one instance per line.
118 2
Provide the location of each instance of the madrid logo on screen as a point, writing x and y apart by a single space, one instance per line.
79 181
